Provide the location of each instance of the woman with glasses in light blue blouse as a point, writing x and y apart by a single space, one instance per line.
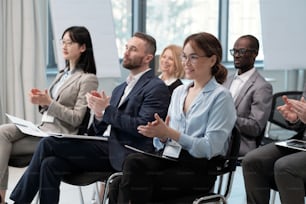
200 120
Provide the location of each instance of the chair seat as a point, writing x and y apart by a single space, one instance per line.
20 161
86 178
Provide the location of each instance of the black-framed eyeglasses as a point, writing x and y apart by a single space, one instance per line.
193 58
241 51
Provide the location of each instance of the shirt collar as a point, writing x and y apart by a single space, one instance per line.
246 75
168 81
211 85
135 78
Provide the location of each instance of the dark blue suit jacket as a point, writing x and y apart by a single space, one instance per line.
150 95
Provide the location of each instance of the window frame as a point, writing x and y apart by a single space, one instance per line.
139 10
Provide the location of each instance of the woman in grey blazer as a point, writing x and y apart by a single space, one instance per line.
63 106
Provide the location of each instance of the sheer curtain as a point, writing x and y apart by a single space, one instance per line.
23 26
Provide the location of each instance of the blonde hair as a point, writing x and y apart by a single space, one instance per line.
178 67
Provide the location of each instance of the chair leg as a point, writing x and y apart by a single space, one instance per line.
81 195
98 199
106 188
273 196
36 198
211 199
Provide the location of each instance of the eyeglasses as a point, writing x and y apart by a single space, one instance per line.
66 43
240 52
193 58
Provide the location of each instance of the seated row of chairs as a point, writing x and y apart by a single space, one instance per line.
226 165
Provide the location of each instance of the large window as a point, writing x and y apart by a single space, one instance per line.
122 13
244 18
170 22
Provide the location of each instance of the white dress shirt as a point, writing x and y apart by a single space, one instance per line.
239 81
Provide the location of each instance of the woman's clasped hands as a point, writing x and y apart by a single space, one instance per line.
39 97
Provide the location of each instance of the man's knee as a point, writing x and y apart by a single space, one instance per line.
132 163
282 167
250 159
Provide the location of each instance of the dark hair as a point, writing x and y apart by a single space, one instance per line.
210 45
254 44
80 35
151 42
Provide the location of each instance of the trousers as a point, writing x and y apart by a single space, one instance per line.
278 168
13 142
55 158
148 179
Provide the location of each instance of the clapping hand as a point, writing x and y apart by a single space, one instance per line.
299 108
157 128
293 109
39 97
97 102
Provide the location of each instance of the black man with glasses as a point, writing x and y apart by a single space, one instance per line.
252 94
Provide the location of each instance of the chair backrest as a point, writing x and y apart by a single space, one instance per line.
226 166
259 139
275 116
228 163
84 125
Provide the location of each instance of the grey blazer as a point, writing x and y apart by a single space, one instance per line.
69 106
253 106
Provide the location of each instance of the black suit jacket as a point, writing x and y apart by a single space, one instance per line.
150 95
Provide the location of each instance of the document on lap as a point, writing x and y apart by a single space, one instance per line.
86 137
293 144
159 154
29 128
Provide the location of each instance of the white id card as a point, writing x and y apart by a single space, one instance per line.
47 118
172 149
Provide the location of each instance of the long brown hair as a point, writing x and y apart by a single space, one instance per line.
210 45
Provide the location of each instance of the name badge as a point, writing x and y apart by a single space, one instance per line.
47 118
172 149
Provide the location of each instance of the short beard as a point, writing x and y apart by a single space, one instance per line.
133 65
243 69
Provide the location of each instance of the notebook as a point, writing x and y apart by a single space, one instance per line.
293 144
158 154
27 127
30 128
86 137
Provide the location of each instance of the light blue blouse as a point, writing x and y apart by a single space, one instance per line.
206 127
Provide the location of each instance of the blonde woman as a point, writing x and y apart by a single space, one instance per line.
171 67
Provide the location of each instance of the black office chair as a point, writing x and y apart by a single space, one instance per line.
226 166
276 118
85 179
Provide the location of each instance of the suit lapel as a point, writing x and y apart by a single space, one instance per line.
57 78
228 82
246 87
69 81
144 79
119 93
